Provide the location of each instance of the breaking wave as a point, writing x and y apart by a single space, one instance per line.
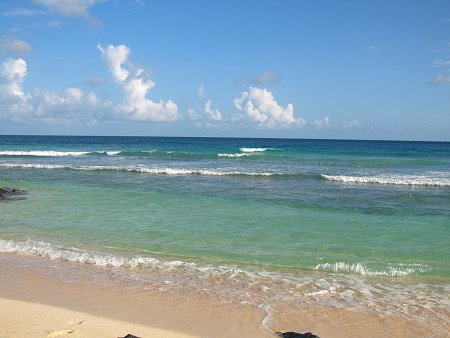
138 169
246 152
51 153
43 249
436 180
72 254
234 155
252 150
161 153
399 270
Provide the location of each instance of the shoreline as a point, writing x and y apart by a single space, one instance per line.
147 311
187 315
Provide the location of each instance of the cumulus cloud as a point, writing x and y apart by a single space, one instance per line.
69 106
76 106
441 79
267 77
69 8
13 99
46 106
322 123
212 114
135 85
115 57
352 124
259 105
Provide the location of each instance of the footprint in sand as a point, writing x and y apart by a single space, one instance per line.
58 333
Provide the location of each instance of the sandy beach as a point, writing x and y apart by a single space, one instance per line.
26 319
36 305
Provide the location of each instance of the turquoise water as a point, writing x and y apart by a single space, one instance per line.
309 216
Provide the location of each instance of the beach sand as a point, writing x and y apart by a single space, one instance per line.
36 305
40 305
25 319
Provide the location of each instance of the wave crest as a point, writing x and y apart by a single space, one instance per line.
52 153
401 270
233 155
392 179
253 150
138 169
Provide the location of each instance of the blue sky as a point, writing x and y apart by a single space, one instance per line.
303 69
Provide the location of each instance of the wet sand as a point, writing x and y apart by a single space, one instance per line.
39 305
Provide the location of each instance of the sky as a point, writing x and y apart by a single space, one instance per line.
349 69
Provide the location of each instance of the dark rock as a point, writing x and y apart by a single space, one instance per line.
6 192
296 335
129 336
3 193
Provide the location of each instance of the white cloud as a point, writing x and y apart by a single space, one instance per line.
76 106
135 85
70 108
45 106
352 124
69 8
13 99
441 79
115 57
13 45
201 91
322 123
267 77
212 114
259 105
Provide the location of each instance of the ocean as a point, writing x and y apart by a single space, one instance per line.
278 223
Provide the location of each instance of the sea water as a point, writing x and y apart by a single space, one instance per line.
363 225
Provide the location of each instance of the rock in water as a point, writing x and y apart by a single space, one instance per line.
5 192
296 335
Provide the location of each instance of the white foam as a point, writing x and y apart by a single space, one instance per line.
32 248
32 166
46 153
361 269
139 169
252 150
112 153
233 155
432 180
268 314
71 254
52 153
